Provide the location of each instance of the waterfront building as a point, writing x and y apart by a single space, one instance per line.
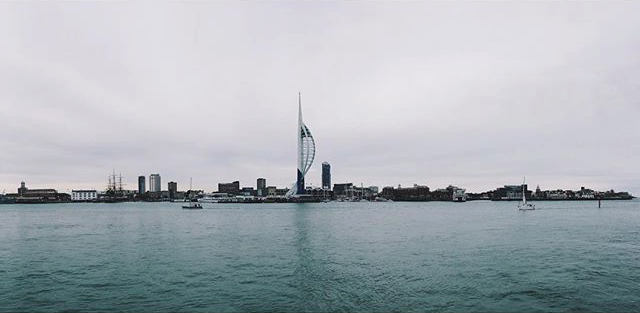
320 193
585 193
511 192
194 194
557 195
23 191
306 153
154 183
326 175
4 199
441 194
340 190
451 193
26 195
230 188
487 195
248 191
355 192
539 193
84 195
173 189
261 186
272 191
614 195
141 185
415 193
458 194
282 192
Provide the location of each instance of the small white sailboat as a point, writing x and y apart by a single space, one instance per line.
193 205
524 206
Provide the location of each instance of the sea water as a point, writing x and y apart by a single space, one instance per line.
353 257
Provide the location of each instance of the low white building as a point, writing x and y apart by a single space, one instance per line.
84 195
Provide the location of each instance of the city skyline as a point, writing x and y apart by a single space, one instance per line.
207 90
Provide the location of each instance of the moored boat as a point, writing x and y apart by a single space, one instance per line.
193 206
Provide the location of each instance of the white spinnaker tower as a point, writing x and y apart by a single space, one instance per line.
306 153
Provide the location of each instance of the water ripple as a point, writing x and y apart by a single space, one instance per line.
339 257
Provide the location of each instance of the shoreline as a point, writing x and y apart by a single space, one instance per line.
320 201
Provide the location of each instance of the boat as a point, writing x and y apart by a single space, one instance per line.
193 206
218 197
524 206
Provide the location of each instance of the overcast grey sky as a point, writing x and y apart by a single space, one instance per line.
476 94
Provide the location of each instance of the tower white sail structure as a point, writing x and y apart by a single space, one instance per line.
306 153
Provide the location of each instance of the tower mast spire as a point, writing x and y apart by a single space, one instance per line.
299 109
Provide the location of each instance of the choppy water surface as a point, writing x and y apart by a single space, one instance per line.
475 256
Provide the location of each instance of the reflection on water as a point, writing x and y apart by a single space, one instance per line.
308 268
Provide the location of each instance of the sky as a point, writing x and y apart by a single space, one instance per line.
474 94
